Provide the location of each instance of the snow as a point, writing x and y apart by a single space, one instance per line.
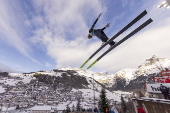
149 66
73 103
83 104
25 78
92 82
89 94
63 105
122 92
45 107
113 95
51 73
2 90
11 82
128 74
9 109
100 77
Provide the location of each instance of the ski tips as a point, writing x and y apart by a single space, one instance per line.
92 64
84 63
144 11
100 15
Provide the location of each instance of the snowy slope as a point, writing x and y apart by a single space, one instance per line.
100 77
127 74
26 78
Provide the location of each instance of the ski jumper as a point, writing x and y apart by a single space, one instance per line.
101 35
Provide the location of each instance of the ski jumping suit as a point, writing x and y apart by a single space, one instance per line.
165 92
101 35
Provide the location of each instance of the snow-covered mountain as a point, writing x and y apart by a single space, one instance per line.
151 66
103 78
126 77
75 80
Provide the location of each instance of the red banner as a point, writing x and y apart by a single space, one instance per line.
161 79
165 73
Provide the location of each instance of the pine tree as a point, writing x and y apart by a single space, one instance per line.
73 108
67 109
103 102
78 108
123 105
64 111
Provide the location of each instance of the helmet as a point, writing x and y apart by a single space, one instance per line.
89 36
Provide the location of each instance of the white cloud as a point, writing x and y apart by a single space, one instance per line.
61 28
137 49
65 28
152 40
64 32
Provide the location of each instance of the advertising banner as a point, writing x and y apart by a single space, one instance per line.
154 88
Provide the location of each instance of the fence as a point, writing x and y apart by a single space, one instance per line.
152 105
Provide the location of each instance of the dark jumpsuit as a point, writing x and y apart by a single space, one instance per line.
101 35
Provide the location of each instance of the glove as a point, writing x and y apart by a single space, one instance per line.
107 25
90 30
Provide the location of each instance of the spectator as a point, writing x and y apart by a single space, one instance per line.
111 111
83 110
140 109
95 110
90 110
107 111
165 91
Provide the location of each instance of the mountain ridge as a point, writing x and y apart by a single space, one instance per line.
121 80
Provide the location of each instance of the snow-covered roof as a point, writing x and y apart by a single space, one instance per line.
9 109
42 108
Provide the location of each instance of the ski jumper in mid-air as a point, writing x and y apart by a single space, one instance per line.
100 34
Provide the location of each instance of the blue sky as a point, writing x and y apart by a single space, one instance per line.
52 34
